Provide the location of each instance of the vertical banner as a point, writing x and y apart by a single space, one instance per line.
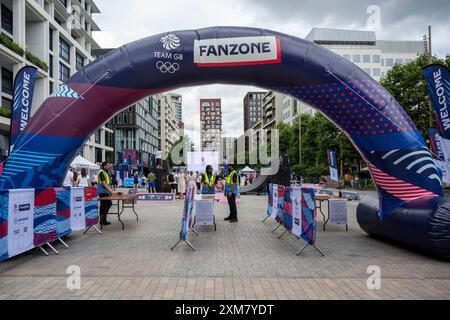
77 213
441 151
438 81
20 221
44 216
91 206
274 210
436 144
187 213
332 162
270 200
280 204
296 203
4 208
63 212
22 102
308 216
287 208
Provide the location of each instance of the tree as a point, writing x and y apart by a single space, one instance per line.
318 135
407 85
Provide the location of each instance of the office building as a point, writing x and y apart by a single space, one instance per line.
229 148
56 37
136 129
168 126
211 124
252 109
376 57
177 101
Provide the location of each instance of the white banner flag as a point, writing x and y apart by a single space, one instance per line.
296 199
275 201
334 174
20 221
77 210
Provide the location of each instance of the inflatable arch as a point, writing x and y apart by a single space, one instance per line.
411 208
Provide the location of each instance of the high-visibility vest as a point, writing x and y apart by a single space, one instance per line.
210 181
100 187
230 177
229 183
106 175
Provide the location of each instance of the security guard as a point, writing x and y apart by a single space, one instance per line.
209 181
231 191
104 190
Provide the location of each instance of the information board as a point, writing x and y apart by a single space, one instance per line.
204 212
338 211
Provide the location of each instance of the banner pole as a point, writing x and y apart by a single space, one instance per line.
64 244
51 247
44 251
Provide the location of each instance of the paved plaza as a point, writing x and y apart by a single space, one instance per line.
238 261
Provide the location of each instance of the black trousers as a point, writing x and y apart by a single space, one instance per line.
104 207
232 204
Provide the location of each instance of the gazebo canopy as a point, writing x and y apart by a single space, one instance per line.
80 162
247 170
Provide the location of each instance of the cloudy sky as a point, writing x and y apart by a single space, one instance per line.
125 21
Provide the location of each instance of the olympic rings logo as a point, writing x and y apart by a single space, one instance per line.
167 67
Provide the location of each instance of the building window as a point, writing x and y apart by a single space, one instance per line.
50 65
6 103
7 81
64 2
348 57
398 61
389 62
64 72
64 50
7 19
366 58
376 58
50 39
98 136
79 61
376 72
50 88
356 58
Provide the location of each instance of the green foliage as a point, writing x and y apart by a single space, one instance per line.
36 61
7 42
5 112
407 84
318 135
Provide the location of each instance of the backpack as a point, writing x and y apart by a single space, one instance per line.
171 178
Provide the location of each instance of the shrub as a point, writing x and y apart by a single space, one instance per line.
5 112
36 61
7 42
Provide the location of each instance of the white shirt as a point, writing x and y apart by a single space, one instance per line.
68 179
83 181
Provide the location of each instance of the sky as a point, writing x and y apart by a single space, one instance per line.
400 20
